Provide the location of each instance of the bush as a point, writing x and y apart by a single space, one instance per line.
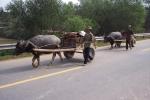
6 52
77 23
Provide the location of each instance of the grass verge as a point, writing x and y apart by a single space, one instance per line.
9 54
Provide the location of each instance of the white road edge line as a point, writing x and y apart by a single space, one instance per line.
39 77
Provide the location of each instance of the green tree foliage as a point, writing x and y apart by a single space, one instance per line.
68 10
32 16
17 13
77 23
4 22
44 14
114 15
147 22
73 22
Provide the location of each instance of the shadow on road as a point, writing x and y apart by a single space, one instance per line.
66 63
16 70
43 65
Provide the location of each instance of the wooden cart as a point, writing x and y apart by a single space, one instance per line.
71 43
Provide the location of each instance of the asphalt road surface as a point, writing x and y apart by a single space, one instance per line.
114 74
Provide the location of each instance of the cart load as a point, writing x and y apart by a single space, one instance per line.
75 40
72 40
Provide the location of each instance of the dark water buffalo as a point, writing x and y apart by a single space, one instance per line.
114 36
38 42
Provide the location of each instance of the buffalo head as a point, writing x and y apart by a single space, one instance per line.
20 47
106 39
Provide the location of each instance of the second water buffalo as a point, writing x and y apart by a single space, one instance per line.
112 37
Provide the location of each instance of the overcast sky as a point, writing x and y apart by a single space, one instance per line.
3 3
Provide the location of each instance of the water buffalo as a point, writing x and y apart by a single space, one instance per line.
114 36
38 42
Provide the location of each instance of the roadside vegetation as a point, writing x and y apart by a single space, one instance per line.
23 19
9 54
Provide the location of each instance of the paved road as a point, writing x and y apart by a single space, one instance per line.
113 75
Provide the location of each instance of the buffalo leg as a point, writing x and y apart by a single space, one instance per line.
60 56
35 57
53 57
112 43
118 44
130 44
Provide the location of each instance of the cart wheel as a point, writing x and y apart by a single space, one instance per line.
69 54
35 62
91 53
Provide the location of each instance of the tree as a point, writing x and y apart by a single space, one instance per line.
1 10
17 12
69 10
147 22
44 13
30 17
114 15
77 23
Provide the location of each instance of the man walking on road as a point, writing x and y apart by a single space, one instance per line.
129 38
88 39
